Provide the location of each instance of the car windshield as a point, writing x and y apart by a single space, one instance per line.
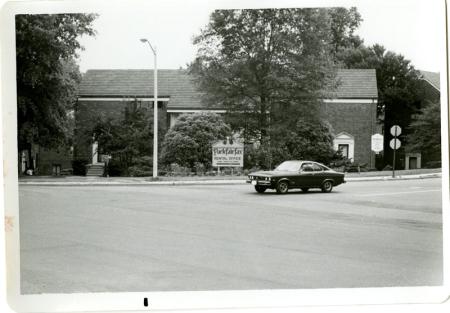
288 166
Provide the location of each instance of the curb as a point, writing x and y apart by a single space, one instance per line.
143 183
208 182
399 177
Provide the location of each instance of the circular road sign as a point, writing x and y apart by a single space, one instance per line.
395 144
396 130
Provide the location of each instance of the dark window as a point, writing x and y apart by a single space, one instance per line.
316 167
307 167
160 104
413 163
344 150
56 169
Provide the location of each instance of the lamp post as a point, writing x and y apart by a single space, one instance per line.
155 111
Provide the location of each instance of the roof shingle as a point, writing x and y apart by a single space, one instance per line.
432 78
356 83
176 84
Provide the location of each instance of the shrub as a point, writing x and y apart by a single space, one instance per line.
176 169
199 168
189 141
433 164
310 139
140 171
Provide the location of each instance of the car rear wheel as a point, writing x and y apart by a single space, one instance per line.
260 189
305 189
282 187
327 186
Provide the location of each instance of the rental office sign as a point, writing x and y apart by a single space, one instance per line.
226 154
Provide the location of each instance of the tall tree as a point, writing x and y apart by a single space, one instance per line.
267 66
425 134
47 75
343 25
399 87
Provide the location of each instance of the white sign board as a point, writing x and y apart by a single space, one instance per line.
377 143
228 155
395 144
396 130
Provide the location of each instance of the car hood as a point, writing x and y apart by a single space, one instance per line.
272 173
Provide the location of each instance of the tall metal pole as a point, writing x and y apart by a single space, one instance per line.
155 110
395 148
155 118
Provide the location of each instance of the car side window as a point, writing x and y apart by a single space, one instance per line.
317 167
307 167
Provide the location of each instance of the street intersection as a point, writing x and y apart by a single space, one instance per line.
228 237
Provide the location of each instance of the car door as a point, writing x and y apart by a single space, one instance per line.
306 175
319 175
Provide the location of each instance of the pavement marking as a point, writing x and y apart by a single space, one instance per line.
398 193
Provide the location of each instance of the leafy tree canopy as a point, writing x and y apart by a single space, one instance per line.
189 141
265 66
310 139
47 75
343 24
398 81
399 88
128 140
425 133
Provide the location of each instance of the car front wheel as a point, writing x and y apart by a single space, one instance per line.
260 189
282 187
327 186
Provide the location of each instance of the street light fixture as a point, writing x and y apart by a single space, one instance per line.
155 111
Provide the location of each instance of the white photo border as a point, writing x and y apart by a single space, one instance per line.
189 300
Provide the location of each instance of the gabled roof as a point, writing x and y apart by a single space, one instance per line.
176 84
344 135
432 78
356 84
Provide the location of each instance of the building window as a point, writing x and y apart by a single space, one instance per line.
160 104
344 149
173 119
56 169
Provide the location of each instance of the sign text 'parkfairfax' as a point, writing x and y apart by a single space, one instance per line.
228 154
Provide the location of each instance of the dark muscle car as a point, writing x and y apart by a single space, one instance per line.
296 174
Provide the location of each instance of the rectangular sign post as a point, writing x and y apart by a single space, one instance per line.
377 143
226 154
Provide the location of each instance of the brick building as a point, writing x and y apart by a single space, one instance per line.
430 92
352 112
57 161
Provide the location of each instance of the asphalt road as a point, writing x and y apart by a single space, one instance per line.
158 238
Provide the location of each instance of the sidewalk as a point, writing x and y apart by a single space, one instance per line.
209 180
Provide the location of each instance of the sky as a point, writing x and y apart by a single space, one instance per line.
413 28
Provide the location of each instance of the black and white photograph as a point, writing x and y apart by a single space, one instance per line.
168 146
